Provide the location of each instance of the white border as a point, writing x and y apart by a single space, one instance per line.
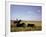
8 33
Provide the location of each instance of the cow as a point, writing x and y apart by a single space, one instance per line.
20 25
17 21
30 25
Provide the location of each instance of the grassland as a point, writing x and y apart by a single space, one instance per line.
38 26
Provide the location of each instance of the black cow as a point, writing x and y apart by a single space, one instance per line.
20 25
17 21
30 25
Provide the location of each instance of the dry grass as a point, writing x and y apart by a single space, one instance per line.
38 27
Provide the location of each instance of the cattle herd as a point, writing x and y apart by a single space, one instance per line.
18 24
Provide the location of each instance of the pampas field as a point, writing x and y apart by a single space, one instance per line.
37 26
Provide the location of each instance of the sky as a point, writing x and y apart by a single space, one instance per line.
26 12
